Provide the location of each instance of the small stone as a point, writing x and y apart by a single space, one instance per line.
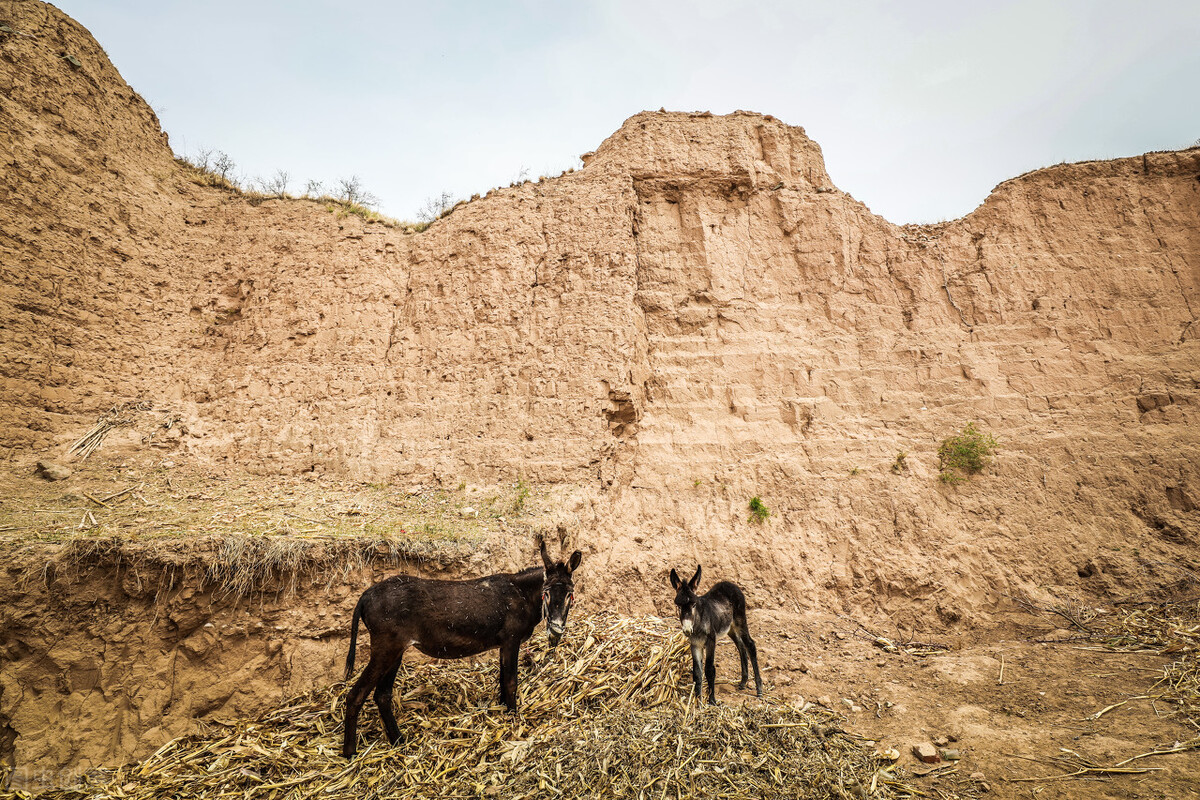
888 754
941 741
977 776
802 666
468 511
855 707
839 634
52 471
824 700
949 754
926 753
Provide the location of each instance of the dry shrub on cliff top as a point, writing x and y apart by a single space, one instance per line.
604 715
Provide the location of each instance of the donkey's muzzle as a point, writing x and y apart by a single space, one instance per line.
554 632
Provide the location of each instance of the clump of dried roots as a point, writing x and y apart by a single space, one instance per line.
606 714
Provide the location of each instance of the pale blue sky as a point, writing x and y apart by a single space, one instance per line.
921 107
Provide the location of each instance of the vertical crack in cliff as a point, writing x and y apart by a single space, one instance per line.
399 314
946 288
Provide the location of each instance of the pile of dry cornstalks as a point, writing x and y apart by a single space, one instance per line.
1170 629
606 714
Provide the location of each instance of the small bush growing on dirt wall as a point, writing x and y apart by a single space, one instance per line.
758 510
961 456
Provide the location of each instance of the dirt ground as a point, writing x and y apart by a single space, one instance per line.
1006 731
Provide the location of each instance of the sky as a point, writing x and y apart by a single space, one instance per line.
920 107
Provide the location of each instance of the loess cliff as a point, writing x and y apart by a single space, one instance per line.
696 317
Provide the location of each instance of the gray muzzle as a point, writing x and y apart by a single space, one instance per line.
554 631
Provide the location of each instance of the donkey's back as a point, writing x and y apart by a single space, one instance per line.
729 594
442 619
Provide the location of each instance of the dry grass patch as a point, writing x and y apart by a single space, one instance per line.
241 533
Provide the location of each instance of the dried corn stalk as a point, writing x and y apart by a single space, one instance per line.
606 714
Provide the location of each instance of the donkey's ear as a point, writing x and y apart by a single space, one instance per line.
546 557
576 557
675 582
695 581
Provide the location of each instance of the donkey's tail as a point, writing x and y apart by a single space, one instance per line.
353 638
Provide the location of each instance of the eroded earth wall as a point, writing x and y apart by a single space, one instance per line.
696 317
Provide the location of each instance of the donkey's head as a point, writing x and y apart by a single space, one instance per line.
558 592
686 599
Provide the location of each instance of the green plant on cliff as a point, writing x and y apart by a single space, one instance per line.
961 456
520 495
759 513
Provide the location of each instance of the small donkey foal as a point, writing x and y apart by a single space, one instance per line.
705 619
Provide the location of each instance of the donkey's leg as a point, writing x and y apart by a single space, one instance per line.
358 695
710 668
697 649
742 655
383 699
510 652
753 650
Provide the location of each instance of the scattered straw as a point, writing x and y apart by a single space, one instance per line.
1079 766
606 714
1167 629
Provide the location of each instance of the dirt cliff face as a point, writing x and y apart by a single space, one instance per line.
105 662
697 317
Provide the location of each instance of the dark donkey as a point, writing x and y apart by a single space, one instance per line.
705 619
453 619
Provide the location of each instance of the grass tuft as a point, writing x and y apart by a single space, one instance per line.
964 455
759 513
